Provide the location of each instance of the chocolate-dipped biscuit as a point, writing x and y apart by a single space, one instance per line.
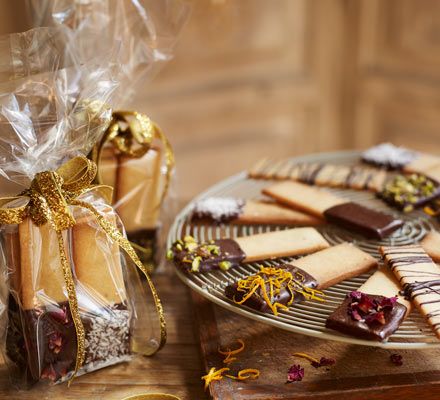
409 192
334 209
190 255
367 316
366 221
289 283
419 277
239 211
274 287
389 156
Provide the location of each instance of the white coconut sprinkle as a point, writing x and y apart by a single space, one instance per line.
107 338
218 208
389 155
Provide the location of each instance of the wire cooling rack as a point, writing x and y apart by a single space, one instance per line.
309 317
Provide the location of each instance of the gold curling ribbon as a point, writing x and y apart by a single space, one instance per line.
47 201
132 134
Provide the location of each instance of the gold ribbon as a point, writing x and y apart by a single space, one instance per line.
132 134
48 200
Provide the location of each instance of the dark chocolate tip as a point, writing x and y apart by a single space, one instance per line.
366 221
341 321
257 302
228 250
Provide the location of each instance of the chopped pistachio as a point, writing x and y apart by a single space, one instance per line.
189 238
224 265
191 246
195 265
170 254
179 247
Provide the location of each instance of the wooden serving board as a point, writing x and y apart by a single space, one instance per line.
360 372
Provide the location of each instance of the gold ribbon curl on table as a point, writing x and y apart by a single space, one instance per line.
48 200
132 134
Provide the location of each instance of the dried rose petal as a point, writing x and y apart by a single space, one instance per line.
327 361
55 341
60 314
355 295
365 304
355 314
388 302
49 373
295 374
323 362
375 317
396 359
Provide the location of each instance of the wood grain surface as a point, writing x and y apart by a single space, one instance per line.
360 372
176 369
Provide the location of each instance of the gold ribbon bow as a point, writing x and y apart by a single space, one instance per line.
132 134
48 200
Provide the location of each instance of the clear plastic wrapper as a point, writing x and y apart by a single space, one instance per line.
41 339
140 168
71 284
147 31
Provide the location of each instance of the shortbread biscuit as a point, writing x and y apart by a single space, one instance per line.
108 166
239 211
139 185
285 243
42 279
349 215
298 280
322 174
424 162
374 311
264 212
431 244
97 262
303 197
336 264
419 277
10 242
384 283
191 255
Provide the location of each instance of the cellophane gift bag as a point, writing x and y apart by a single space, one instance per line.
134 156
71 295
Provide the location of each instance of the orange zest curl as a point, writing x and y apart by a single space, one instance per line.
218 374
214 375
428 210
229 353
244 374
306 356
270 281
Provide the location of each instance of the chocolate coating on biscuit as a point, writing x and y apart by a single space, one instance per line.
363 220
341 321
202 257
257 302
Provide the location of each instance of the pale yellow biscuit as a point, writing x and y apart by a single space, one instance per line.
422 163
140 184
412 266
303 197
97 262
285 243
434 173
263 212
336 264
384 283
11 243
42 279
108 166
431 244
